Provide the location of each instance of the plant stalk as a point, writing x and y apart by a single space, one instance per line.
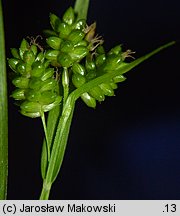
3 114
58 149
46 135
52 121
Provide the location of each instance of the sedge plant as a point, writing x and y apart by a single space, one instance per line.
49 79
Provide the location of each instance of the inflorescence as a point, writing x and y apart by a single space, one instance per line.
71 45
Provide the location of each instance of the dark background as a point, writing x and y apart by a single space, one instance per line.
129 147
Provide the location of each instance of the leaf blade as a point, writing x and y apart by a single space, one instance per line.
81 8
3 114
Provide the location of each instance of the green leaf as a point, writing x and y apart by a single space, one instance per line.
81 8
3 114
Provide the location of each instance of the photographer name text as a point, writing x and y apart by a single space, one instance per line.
67 208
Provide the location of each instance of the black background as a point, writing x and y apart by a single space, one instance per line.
129 147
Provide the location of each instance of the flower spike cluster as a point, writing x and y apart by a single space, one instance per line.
72 46
68 46
36 87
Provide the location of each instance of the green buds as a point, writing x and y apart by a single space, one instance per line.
95 66
76 36
64 59
119 78
15 53
54 21
54 42
78 69
100 59
79 24
113 62
79 53
88 100
18 94
72 47
106 89
31 107
34 80
29 57
48 73
97 93
12 63
21 82
52 55
64 30
70 44
78 80
23 47
69 16
115 50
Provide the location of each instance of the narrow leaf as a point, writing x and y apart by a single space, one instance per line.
81 8
3 114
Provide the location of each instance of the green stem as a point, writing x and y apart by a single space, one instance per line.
59 146
3 114
45 190
65 84
46 135
52 121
